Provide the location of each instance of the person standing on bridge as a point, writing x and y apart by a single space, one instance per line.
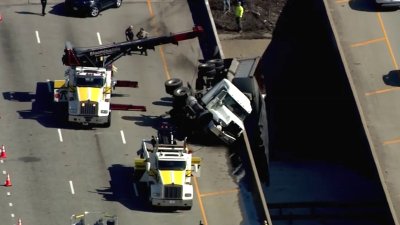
44 3
129 33
238 15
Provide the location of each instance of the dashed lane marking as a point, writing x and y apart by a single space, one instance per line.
37 37
123 137
99 38
4 172
60 135
10 204
71 185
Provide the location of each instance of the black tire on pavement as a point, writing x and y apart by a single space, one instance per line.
118 3
172 84
94 11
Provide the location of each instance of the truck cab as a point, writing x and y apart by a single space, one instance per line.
229 108
168 171
87 90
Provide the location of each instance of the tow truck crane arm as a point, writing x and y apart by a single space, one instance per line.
105 55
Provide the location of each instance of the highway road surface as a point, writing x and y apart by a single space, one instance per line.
369 41
57 170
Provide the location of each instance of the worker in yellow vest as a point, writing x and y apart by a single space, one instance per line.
238 15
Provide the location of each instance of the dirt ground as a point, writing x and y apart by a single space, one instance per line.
259 18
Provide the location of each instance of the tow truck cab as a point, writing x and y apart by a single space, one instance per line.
88 92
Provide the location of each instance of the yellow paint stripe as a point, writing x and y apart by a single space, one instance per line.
363 43
220 192
150 8
342 1
394 141
394 62
164 61
387 40
203 212
381 91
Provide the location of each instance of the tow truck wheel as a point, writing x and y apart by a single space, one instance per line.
94 11
108 124
187 208
118 3
172 84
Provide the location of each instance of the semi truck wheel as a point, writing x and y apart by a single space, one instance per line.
172 84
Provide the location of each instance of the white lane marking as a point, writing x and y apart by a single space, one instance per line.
60 135
12 215
8 193
99 38
4 172
123 137
135 189
10 204
37 37
71 185
48 85
1 161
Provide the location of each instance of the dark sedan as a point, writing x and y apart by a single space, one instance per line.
90 7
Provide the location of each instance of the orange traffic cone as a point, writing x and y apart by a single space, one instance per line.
8 181
3 154
19 222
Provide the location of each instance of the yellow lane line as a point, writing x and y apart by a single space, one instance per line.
203 212
367 42
150 8
394 141
164 61
387 40
219 192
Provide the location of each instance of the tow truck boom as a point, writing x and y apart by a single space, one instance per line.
105 55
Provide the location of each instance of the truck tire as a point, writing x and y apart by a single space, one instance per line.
199 84
206 70
172 84
187 207
108 124
219 68
180 95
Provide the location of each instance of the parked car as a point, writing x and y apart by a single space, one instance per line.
387 3
90 7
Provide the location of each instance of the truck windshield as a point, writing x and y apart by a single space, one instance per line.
86 81
171 165
233 106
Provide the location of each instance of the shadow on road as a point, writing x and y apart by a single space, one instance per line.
42 108
392 78
28 13
312 114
